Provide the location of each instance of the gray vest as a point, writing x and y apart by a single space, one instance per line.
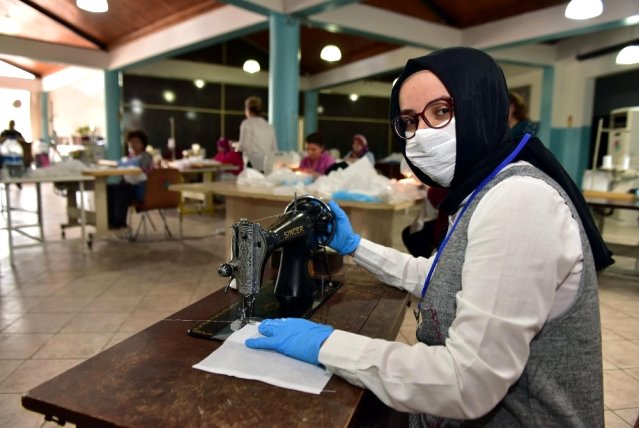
562 383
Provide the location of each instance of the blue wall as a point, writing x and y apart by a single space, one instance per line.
571 147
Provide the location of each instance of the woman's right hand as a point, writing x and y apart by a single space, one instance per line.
344 241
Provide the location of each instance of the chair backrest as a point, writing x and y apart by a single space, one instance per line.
157 194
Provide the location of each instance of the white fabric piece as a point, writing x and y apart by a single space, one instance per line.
234 358
519 226
434 152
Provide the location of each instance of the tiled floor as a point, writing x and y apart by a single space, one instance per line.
59 307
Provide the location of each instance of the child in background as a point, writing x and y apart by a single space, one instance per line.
317 160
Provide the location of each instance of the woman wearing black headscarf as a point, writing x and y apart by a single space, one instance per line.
509 331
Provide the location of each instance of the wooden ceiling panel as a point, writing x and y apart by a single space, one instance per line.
462 13
39 69
37 26
127 19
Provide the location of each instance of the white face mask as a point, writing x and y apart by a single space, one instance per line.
434 151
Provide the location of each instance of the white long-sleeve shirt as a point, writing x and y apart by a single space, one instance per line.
257 141
522 266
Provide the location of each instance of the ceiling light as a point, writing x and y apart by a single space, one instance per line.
583 9
169 96
628 55
95 6
353 97
331 53
199 83
251 66
632 20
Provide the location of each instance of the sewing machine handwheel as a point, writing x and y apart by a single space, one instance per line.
325 212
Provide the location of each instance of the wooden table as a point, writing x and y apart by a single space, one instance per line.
209 172
74 213
100 217
147 380
373 221
602 202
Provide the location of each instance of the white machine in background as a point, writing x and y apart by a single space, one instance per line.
619 171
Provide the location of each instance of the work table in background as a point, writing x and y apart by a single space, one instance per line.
378 222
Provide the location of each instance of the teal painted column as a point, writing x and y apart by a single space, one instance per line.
545 119
284 70
311 101
44 116
112 99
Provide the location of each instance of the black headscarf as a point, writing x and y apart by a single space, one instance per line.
480 95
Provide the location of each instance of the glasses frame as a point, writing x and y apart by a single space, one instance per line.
416 116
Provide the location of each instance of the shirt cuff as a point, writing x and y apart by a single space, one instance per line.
343 350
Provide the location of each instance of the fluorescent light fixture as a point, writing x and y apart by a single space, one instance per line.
583 9
628 55
331 53
199 83
251 66
353 97
95 6
8 70
169 96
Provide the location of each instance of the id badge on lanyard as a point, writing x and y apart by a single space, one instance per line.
485 181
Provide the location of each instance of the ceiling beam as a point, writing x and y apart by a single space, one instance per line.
262 7
545 25
47 12
391 27
221 24
378 64
305 8
52 52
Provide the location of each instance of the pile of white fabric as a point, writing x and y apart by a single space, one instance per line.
359 182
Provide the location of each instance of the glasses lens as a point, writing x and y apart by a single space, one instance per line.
405 126
438 113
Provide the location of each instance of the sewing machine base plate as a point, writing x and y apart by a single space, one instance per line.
224 323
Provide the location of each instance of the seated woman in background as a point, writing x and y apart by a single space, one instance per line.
131 187
359 149
225 154
317 160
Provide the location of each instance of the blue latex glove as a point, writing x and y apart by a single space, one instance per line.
295 337
345 241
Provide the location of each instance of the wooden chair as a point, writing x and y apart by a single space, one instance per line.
157 196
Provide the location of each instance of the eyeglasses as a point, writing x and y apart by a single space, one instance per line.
437 114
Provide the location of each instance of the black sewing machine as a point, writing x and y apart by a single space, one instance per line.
303 230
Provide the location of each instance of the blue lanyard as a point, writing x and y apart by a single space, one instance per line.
485 181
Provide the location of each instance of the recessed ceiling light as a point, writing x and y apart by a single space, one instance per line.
251 66
583 9
628 55
95 6
353 97
169 96
199 83
331 53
